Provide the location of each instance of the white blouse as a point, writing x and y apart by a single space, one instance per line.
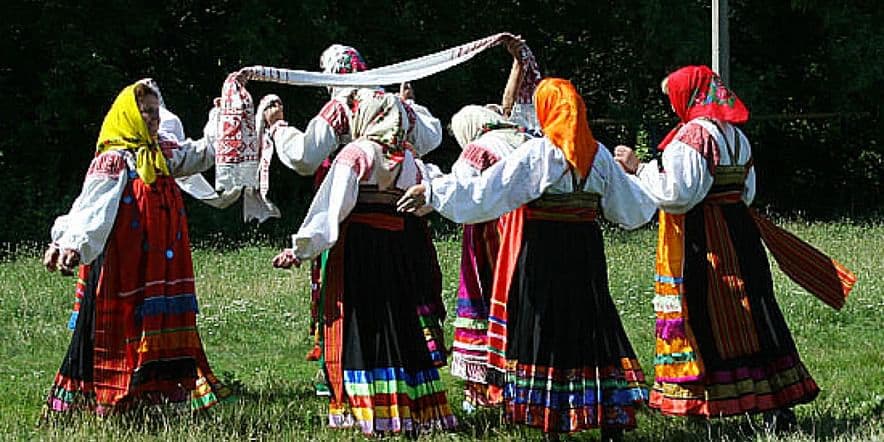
687 179
357 164
304 151
535 168
491 145
86 227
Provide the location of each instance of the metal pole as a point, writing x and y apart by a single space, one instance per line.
721 50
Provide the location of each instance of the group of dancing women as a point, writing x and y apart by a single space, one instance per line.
536 332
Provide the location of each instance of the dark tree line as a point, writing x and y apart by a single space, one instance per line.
63 62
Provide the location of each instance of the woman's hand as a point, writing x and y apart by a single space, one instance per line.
68 261
286 259
626 158
50 257
413 200
514 46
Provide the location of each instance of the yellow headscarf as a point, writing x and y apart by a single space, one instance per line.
562 115
124 129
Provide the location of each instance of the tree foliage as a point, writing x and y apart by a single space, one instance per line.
63 62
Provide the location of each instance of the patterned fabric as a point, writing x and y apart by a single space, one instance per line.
699 370
677 359
382 340
387 400
824 277
380 118
559 372
556 400
237 140
135 337
265 143
729 309
562 115
335 114
471 121
123 128
340 59
696 91
478 253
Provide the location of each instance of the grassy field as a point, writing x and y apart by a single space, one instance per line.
254 320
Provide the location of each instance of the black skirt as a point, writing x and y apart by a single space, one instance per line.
574 365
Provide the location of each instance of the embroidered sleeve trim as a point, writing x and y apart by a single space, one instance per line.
479 157
335 115
108 165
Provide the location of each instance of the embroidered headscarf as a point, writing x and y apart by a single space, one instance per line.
123 128
472 121
380 117
562 116
696 91
340 59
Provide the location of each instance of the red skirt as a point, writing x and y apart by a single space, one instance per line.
135 337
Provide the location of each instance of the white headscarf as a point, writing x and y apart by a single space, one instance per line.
473 121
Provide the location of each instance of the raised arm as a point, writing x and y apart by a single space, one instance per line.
514 47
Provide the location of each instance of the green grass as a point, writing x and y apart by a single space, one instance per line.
254 319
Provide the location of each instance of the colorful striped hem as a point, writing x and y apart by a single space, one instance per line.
393 400
571 420
782 383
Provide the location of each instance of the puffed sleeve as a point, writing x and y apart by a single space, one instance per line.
427 132
333 202
189 157
304 151
519 178
87 226
623 200
684 182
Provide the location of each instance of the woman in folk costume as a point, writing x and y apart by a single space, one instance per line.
382 337
485 137
310 152
722 344
305 151
135 338
556 343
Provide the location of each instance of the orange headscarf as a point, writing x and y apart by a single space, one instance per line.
562 115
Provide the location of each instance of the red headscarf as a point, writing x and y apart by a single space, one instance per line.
696 91
562 115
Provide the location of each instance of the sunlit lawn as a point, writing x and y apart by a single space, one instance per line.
254 326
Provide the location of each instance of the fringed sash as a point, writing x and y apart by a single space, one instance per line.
822 276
